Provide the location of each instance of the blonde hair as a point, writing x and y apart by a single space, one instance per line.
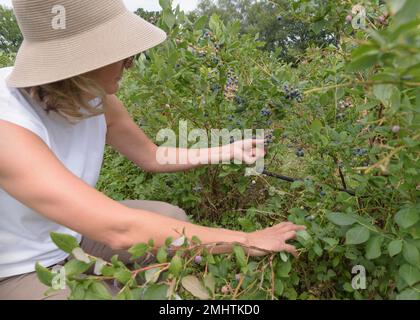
69 98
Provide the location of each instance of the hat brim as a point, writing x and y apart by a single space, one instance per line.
45 62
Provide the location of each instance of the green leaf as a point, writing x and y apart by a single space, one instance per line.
341 219
64 241
214 23
408 294
75 267
278 287
407 217
210 282
200 23
169 19
395 247
156 292
194 286
98 290
411 254
139 250
165 4
240 256
373 247
388 94
162 255
45 276
78 292
176 265
363 62
357 235
407 12
410 274
395 5
283 269
152 275
123 275
316 126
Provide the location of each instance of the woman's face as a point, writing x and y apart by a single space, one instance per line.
108 77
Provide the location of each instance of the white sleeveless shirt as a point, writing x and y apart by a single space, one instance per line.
25 233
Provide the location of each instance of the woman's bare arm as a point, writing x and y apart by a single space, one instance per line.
32 174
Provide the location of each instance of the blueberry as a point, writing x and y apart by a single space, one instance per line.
239 100
198 259
300 153
292 94
265 112
322 193
215 87
279 18
230 117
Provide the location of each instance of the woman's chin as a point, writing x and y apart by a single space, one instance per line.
113 89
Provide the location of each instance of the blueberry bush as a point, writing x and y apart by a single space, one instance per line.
344 123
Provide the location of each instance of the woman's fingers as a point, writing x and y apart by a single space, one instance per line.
291 249
289 235
257 142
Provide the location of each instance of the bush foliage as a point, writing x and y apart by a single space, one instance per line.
346 116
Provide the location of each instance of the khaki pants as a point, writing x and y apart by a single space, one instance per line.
27 286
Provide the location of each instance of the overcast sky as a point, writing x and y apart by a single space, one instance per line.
150 5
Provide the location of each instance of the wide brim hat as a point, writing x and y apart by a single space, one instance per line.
66 38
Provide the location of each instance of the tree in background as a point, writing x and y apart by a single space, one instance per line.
278 23
10 35
150 16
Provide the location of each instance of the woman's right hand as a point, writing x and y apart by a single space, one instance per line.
273 239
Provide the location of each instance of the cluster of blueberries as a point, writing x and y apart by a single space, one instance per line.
342 106
239 100
215 87
215 60
231 85
198 188
206 35
359 152
300 153
292 94
266 112
269 137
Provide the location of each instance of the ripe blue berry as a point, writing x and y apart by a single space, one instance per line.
300 153
265 112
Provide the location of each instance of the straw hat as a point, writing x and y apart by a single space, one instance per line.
66 38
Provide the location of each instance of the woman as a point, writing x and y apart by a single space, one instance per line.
57 110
